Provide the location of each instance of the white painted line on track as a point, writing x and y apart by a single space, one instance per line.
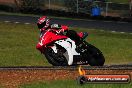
16 22
122 32
101 30
26 23
113 31
7 21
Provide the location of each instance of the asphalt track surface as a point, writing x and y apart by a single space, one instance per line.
115 26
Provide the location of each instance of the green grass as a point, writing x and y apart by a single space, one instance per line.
18 45
72 84
1 86
119 1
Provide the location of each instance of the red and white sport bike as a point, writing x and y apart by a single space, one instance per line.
60 50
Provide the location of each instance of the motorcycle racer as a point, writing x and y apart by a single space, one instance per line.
63 47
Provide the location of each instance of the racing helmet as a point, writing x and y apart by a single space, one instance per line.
43 22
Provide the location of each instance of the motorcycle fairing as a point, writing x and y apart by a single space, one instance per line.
70 47
47 38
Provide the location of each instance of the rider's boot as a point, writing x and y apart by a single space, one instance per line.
82 35
85 34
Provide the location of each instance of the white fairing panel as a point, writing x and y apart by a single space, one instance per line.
70 46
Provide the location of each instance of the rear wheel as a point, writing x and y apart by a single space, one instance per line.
56 59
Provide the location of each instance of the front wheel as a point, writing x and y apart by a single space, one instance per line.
94 56
54 58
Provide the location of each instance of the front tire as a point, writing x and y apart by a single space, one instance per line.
54 58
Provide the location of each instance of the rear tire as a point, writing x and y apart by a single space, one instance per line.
55 59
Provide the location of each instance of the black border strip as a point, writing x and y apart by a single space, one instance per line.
106 67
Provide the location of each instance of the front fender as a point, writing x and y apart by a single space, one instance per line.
70 46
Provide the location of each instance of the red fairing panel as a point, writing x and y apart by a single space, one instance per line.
47 38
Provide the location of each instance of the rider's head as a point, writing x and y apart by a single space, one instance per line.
43 22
